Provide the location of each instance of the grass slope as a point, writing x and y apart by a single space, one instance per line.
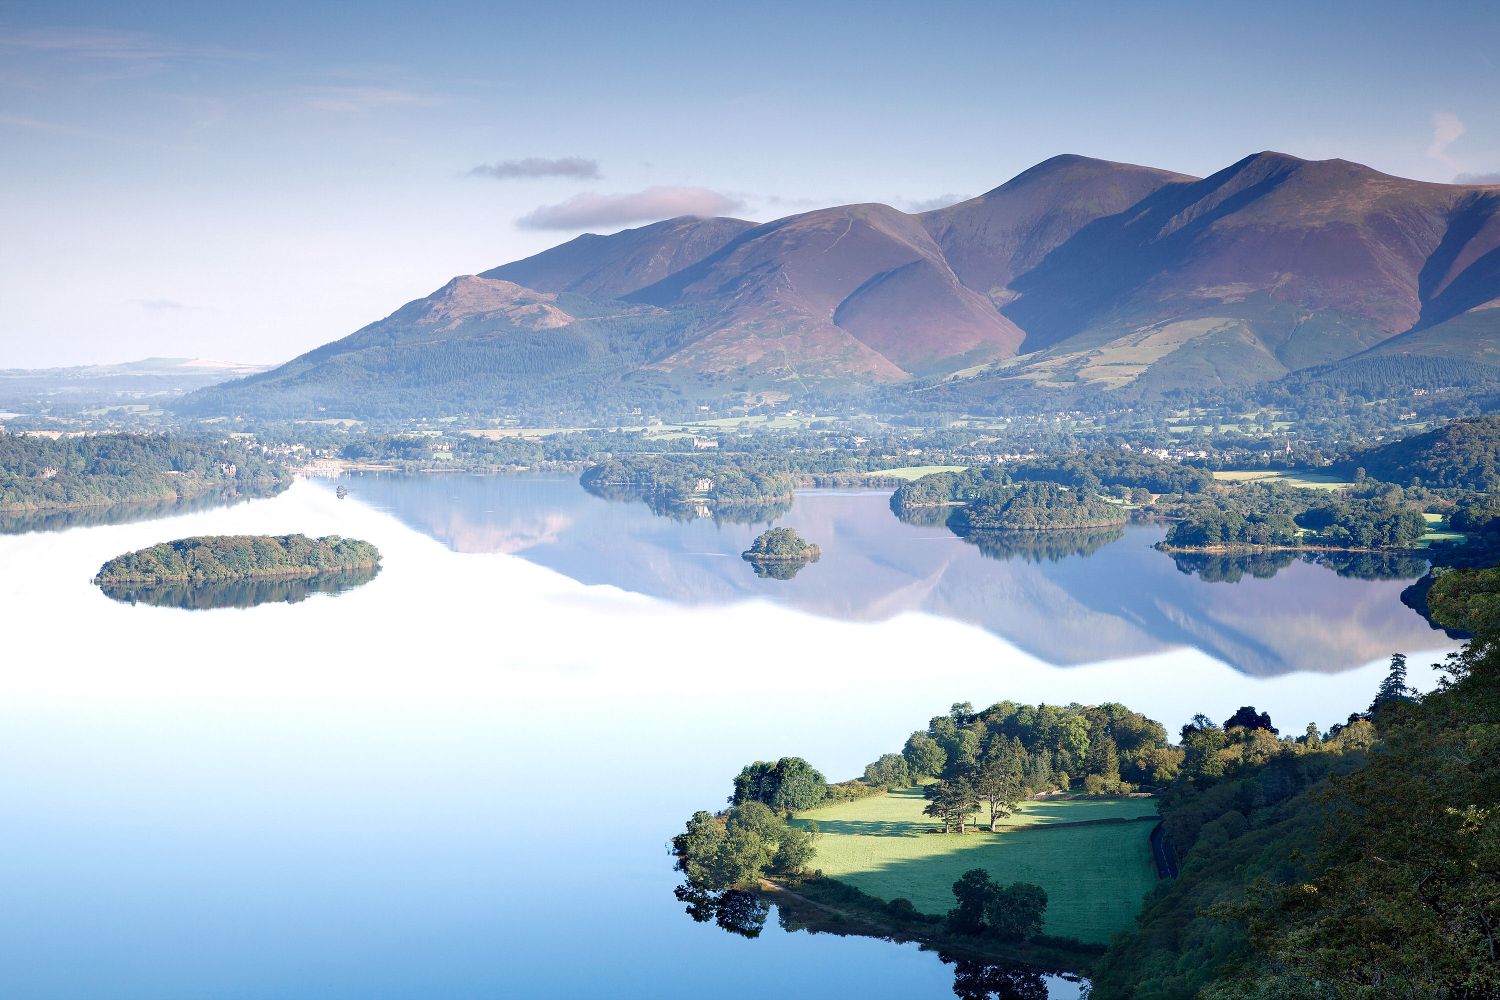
1095 875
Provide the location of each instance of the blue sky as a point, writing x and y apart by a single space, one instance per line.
245 182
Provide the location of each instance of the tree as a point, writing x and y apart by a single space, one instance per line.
1016 912
924 756
1393 689
1248 718
997 779
972 892
789 785
952 802
890 771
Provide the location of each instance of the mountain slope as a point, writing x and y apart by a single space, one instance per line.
991 239
476 345
860 290
611 267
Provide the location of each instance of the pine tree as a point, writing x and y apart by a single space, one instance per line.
1394 688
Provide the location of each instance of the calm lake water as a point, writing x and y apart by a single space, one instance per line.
457 779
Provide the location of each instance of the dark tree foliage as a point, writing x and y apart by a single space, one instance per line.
1248 718
983 907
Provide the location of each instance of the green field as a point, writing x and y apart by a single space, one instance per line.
1310 480
1438 530
1095 876
910 472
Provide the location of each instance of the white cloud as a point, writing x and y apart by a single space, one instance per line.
1446 130
1492 178
576 167
604 210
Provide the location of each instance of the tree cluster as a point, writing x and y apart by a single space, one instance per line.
218 558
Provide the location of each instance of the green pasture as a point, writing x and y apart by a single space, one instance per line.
1095 875
1309 480
910 472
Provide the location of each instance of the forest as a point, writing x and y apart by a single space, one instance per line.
1369 516
40 473
1460 454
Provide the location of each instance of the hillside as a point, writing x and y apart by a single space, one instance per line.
475 345
1077 277
1463 454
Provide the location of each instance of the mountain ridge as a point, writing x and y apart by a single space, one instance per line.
1078 275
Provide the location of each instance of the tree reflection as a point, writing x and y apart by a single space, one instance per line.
1221 567
734 910
1043 546
988 981
674 510
238 593
778 569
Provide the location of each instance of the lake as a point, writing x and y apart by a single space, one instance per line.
458 778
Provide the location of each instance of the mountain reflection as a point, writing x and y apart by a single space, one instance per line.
23 522
1065 597
237 593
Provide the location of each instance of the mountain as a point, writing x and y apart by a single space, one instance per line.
1271 265
1077 277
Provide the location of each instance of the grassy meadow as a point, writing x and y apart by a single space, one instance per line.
911 472
1095 875
1308 480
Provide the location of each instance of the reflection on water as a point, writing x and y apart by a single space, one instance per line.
719 513
237 593
1220 567
386 796
778 569
1043 546
1067 597
733 910
22 522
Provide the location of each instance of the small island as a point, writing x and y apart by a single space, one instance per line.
238 570
780 553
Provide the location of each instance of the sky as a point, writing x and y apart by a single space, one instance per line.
244 182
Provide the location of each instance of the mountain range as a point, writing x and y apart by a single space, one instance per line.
1078 276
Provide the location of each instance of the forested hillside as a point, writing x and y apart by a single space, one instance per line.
1462 454
39 473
